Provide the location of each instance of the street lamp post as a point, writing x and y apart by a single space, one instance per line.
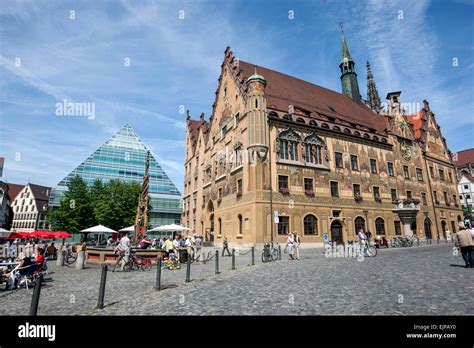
366 213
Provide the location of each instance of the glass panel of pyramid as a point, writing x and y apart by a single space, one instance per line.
123 157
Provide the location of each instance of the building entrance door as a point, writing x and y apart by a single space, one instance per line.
211 232
443 228
336 233
428 228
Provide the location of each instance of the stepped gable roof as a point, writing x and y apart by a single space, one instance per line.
194 127
464 157
283 90
417 120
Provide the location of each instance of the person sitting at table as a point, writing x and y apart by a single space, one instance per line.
40 256
145 242
23 268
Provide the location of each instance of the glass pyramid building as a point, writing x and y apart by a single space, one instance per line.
123 157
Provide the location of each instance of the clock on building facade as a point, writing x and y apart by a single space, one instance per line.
406 151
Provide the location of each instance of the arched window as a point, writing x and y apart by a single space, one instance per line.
379 226
310 225
220 225
359 224
301 120
289 144
336 128
240 224
313 123
375 138
347 130
313 149
256 103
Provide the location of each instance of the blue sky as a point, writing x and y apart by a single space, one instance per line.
175 62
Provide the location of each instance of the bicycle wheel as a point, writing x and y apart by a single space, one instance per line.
371 251
264 257
71 258
145 264
127 267
275 254
134 265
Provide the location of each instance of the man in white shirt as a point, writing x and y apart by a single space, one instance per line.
123 250
189 247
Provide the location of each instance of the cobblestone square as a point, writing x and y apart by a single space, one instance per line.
425 280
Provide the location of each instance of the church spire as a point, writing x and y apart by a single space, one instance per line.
373 99
350 86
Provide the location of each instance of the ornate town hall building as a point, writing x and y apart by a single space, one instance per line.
280 149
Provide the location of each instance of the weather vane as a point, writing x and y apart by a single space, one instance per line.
341 24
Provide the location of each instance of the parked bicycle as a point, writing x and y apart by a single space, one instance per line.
403 242
71 257
269 253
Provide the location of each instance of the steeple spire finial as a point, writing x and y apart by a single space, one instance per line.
350 86
373 99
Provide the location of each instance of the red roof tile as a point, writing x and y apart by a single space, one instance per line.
464 157
416 120
284 90
14 190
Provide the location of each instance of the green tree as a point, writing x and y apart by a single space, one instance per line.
76 211
117 207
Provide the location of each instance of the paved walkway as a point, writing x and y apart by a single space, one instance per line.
425 280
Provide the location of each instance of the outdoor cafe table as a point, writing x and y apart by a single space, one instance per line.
8 265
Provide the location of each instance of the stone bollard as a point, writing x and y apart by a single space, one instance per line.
61 254
217 262
80 259
36 296
158 274
233 259
188 270
103 279
253 256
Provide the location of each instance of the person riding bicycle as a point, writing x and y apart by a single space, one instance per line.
362 238
123 250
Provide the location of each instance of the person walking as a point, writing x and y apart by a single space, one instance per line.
198 245
466 244
290 242
297 245
226 247
189 247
